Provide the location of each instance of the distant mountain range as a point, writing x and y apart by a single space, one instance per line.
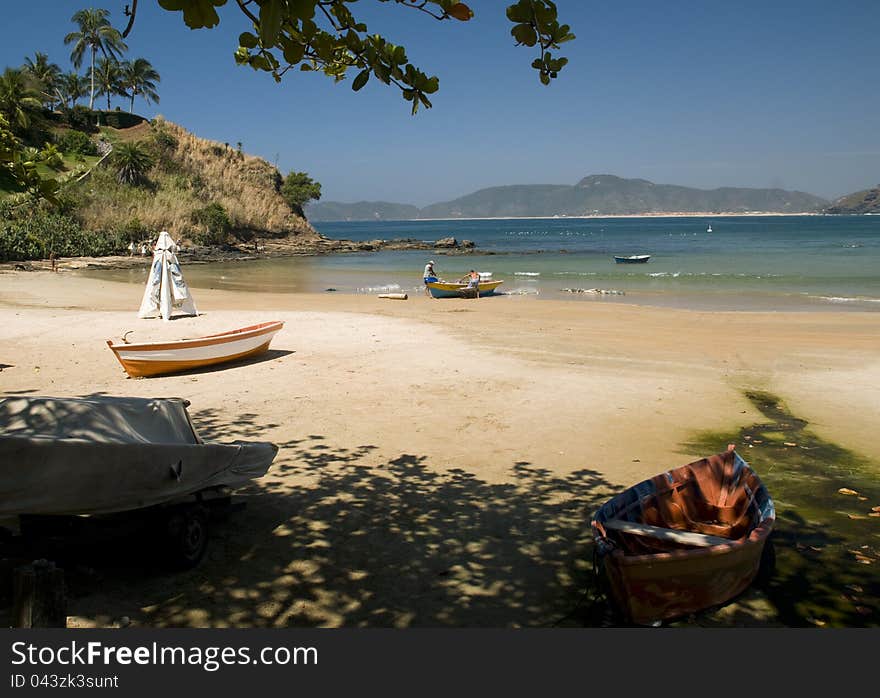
867 201
593 195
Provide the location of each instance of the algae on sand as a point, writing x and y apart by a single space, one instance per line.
827 570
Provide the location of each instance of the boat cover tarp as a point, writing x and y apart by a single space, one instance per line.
166 291
106 454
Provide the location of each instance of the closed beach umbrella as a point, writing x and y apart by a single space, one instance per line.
166 291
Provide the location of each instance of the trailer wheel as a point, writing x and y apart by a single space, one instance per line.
187 533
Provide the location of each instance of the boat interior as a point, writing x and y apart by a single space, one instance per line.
710 502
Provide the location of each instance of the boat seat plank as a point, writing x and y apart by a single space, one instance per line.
668 534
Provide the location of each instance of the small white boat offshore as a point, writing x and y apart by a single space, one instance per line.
158 358
632 259
709 228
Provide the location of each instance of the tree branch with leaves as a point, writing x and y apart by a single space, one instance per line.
326 36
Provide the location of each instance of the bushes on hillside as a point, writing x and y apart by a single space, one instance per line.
52 156
80 119
216 223
41 234
76 143
163 145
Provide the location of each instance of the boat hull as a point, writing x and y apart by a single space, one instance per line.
666 583
441 289
635 259
161 358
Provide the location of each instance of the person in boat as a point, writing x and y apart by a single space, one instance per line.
429 276
472 278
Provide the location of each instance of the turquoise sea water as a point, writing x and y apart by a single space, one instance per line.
759 262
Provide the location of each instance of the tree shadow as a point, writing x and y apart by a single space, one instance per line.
326 540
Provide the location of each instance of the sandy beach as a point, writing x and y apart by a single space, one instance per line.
439 459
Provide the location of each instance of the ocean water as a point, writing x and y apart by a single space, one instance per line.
746 263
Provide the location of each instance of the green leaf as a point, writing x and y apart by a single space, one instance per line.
270 20
247 40
259 62
525 34
301 9
198 14
360 80
520 12
293 52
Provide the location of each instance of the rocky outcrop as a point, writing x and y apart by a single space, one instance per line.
867 201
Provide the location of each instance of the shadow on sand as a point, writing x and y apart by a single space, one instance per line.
327 540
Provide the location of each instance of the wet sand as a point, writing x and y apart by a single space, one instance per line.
439 459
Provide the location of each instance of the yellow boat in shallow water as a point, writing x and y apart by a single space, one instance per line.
443 289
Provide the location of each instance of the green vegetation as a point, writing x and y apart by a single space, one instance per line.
326 36
18 98
95 34
76 143
216 223
71 88
108 79
138 77
45 75
18 169
157 177
52 156
131 162
299 188
827 554
41 233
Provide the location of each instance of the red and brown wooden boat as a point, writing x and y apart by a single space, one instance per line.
156 358
684 540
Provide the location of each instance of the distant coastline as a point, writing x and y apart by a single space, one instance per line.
674 214
593 196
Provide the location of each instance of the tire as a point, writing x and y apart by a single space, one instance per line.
187 534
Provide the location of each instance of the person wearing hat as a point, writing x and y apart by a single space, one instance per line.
429 276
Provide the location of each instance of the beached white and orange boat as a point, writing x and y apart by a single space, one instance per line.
158 358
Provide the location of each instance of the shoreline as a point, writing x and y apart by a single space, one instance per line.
735 301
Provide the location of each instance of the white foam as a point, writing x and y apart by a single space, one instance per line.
527 273
847 299
379 289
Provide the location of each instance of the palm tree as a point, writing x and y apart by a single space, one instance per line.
108 79
140 78
17 97
72 87
132 162
95 33
45 74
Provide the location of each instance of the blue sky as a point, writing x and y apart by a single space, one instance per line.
702 93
